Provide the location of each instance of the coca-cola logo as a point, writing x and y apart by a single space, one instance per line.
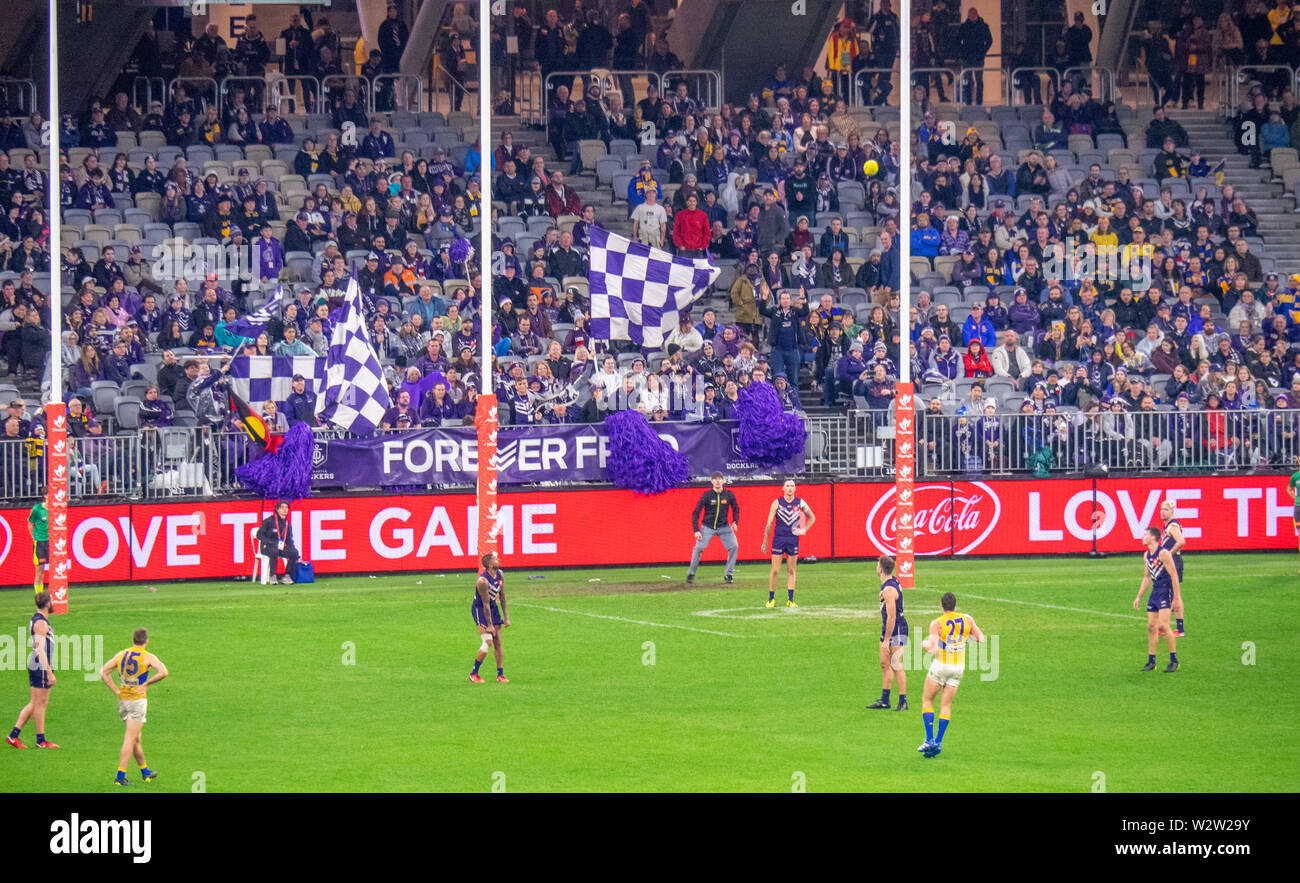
9 540
942 515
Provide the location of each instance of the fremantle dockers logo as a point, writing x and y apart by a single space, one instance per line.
319 453
506 455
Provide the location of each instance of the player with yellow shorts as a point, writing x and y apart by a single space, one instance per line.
947 641
133 666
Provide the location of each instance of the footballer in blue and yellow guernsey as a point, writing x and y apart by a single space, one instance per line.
947 641
133 666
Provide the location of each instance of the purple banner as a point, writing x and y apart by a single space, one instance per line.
525 455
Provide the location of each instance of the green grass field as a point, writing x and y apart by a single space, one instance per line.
738 698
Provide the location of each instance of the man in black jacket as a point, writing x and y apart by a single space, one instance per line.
300 406
721 515
787 319
275 540
974 40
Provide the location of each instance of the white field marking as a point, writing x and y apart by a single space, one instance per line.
821 612
658 625
1033 603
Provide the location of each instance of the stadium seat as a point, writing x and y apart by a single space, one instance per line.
126 412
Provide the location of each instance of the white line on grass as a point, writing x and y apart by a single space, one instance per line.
1033 604
658 625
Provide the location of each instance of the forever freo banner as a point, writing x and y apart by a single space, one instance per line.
420 457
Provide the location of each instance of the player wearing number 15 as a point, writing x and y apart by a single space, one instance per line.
947 641
133 666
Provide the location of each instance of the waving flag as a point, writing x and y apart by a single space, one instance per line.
258 378
356 395
639 292
254 323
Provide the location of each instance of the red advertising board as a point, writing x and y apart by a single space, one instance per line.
1054 516
161 541
386 534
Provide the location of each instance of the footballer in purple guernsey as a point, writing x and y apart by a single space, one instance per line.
1171 538
489 619
787 512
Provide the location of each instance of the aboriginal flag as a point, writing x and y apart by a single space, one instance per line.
253 423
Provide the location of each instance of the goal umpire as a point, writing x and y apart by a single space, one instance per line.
721 515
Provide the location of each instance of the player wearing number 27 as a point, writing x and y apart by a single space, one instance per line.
133 666
947 641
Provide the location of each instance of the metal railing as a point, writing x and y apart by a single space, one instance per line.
1053 80
26 90
149 96
607 80
408 97
441 77
1100 79
862 77
531 97
280 90
858 444
328 92
963 84
1239 76
1072 442
197 87
703 86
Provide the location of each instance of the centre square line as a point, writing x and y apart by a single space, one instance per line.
1031 603
666 625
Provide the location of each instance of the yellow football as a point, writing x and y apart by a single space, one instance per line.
870 167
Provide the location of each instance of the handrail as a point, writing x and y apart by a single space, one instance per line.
707 76
188 83
398 104
602 79
981 71
225 86
531 106
1106 77
148 92
859 78
27 86
1053 75
1240 76
276 92
365 91
438 67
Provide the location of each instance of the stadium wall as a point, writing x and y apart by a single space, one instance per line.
608 527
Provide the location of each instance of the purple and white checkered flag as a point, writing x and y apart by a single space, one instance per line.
356 395
638 292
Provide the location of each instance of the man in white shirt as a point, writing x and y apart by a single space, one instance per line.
649 221
686 336
1010 360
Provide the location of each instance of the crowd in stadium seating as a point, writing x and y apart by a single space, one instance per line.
793 192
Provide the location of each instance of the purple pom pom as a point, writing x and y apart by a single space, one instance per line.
639 460
768 434
286 474
460 249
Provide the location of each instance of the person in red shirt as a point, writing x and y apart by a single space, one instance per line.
561 199
977 361
691 230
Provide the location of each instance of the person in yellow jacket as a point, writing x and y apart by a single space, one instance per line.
840 55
